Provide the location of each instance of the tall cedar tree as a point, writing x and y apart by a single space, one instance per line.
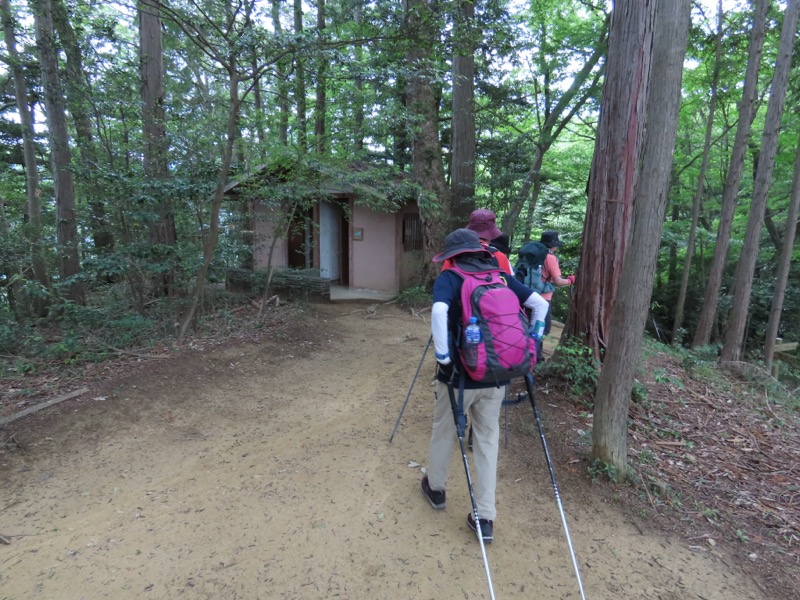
631 305
677 322
730 191
162 229
614 172
60 154
426 154
462 163
743 284
34 211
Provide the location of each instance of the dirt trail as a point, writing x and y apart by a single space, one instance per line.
263 471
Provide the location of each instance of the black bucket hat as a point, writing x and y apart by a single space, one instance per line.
459 241
501 243
550 239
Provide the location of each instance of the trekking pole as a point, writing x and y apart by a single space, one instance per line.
413 381
529 386
460 419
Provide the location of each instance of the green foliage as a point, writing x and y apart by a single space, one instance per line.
662 376
647 457
742 535
574 363
602 470
639 393
416 297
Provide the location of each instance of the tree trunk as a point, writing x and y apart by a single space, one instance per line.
698 197
15 293
708 312
462 166
79 102
282 93
34 211
61 156
614 171
358 105
427 168
300 83
162 231
320 105
152 83
784 264
743 284
629 314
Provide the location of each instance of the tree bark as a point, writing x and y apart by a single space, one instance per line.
677 322
708 311
743 284
15 294
358 105
282 93
427 168
614 172
300 83
162 231
462 165
320 105
79 100
610 433
61 156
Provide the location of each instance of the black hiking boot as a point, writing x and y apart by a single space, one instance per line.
487 528
436 498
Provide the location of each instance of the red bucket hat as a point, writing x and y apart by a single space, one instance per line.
484 223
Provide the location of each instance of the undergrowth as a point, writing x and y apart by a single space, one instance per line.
574 364
72 334
416 297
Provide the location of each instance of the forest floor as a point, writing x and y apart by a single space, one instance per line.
258 466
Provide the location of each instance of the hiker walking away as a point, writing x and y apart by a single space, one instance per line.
481 400
551 273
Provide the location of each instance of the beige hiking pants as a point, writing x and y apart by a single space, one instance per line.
482 407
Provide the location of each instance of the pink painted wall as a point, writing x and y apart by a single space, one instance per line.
373 261
262 240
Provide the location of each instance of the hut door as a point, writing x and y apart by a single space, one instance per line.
331 219
301 240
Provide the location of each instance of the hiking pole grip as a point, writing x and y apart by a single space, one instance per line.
413 381
529 385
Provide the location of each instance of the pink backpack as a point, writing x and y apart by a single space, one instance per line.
506 349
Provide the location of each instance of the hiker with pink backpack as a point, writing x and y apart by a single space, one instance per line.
474 285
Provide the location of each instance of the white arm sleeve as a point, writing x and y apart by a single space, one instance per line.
538 305
439 327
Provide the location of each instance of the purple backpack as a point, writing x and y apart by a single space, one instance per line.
506 349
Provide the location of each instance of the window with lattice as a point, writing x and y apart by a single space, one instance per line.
412 232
